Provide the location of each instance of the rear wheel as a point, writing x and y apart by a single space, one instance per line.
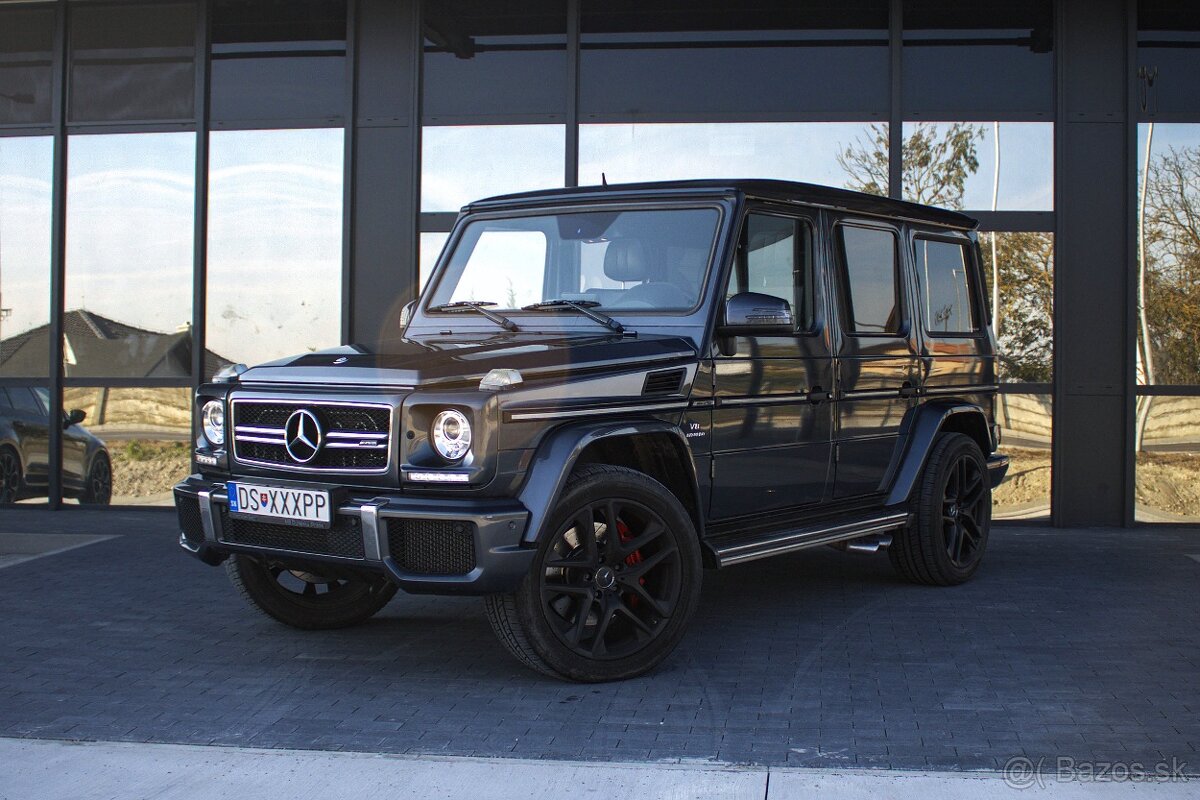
613 585
307 600
10 475
945 543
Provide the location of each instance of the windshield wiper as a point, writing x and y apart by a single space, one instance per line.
584 307
478 307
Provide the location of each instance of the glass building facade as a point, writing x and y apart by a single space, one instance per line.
190 183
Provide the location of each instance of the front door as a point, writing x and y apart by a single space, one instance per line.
771 420
878 366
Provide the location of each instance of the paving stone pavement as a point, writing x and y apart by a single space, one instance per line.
1081 644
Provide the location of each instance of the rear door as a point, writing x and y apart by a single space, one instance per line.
877 356
772 422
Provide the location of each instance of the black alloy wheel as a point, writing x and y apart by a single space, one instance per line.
611 580
98 490
615 579
10 476
962 509
305 599
951 516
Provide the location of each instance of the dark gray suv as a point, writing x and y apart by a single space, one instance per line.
602 391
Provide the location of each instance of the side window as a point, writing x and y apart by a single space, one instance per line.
24 400
775 258
946 292
870 295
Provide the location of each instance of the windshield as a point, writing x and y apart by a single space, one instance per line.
631 260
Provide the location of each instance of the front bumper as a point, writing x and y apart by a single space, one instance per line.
450 546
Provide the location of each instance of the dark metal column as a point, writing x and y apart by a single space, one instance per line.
58 243
571 178
386 161
896 103
200 226
1093 190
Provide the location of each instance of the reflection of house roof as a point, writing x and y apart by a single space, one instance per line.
99 347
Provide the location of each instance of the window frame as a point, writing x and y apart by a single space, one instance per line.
842 280
739 268
980 316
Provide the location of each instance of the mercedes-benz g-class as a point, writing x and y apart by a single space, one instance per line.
602 391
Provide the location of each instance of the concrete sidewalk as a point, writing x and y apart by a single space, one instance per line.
46 770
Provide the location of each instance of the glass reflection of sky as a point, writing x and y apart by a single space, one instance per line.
130 206
797 151
1026 166
25 183
275 242
470 162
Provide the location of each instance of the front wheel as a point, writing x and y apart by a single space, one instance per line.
944 544
98 489
307 600
612 586
10 476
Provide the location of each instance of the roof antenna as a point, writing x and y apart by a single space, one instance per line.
603 179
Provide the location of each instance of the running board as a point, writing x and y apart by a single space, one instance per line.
740 549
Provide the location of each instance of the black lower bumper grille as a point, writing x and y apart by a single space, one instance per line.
432 547
190 523
343 539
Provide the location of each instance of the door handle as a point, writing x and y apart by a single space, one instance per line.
908 390
817 395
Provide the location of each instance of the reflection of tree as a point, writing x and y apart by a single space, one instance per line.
1172 276
937 161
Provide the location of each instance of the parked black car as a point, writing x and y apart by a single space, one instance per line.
603 390
25 451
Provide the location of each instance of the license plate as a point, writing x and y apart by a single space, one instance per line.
299 506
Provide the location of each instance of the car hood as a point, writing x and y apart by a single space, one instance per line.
452 361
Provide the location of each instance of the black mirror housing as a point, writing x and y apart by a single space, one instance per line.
74 417
755 314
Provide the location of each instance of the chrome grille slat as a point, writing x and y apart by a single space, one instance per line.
357 435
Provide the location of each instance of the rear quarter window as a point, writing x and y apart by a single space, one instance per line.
946 287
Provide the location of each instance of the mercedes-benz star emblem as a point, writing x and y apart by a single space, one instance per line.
302 435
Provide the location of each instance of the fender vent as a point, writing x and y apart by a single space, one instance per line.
665 381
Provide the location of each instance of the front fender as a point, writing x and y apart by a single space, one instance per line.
917 439
558 454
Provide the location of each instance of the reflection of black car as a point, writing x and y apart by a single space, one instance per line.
603 389
25 451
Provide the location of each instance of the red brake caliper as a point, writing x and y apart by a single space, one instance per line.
632 560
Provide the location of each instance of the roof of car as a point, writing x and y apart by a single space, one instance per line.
782 191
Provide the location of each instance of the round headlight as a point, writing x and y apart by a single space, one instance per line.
451 435
212 421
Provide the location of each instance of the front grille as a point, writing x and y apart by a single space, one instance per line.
190 523
432 547
356 437
343 539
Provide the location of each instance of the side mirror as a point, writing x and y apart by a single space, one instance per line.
406 314
754 314
74 417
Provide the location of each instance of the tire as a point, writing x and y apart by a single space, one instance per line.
10 476
590 610
305 600
97 491
945 543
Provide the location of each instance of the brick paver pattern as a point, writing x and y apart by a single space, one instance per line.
1073 643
